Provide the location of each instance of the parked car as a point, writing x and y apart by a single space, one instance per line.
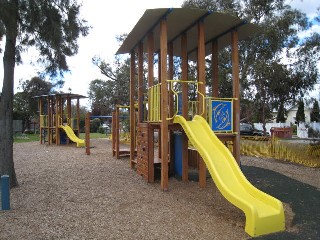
248 130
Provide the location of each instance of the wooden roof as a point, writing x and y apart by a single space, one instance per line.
184 20
62 95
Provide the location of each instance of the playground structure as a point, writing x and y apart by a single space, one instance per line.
192 34
58 124
116 132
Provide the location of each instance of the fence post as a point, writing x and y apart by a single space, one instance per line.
5 192
87 127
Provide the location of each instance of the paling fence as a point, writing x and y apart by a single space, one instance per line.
302 152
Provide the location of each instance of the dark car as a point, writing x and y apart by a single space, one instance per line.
248 130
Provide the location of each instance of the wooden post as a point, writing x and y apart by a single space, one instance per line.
140 83
87 126
117 133
57 119
236 93
40 113
164 105
202 89
49 111
215 69
113 133
69 110
132 109
184 56
150 59
78 117
170 76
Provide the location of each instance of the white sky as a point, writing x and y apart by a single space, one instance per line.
108 19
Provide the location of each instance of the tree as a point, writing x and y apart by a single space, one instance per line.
52 27
264 77
315 112
300 116
281 114
25 107
104 95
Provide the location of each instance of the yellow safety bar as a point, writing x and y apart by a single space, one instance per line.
154 100
43 120
154 103
176 94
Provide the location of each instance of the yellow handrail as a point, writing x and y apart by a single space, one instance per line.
154 99
176 94
154 103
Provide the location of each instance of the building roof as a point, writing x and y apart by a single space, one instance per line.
180 20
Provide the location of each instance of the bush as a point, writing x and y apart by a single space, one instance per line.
313 133
94 125
101 130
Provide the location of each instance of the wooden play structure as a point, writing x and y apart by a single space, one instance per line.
209 122
58 124
192 35
118 151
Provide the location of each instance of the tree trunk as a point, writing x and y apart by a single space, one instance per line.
6 104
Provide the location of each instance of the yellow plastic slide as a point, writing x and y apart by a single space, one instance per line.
264 213
72 136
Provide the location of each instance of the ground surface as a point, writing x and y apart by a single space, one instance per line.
64 194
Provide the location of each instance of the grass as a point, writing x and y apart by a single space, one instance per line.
20 138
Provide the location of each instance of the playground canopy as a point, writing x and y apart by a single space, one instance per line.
184 20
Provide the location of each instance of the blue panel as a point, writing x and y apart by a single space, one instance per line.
222 116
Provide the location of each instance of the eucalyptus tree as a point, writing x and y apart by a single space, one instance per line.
52 28
276 66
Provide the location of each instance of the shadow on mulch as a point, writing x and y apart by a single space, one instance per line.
304 201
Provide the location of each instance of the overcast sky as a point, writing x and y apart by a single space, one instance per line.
109 19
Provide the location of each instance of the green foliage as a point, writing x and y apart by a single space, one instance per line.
104 95
281 114
315 112
51 27
101 130
300 116
25 106
313 133
94 125
264 78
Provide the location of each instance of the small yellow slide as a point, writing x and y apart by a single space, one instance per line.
264 213
72 136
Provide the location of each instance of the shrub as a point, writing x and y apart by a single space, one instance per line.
94 125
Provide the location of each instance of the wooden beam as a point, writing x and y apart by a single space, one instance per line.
164 105
69 110
202 89
184 67
49 119
132 109
215 69
150 60
78 116
87 127
140 82
58 116
117 135
236 93
170 76
40 113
